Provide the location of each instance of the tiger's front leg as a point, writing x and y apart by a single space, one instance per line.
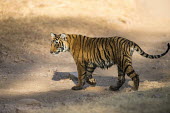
89 78
81 77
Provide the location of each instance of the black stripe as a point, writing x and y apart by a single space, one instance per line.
94 50
129 45
108 53
102 43
146 55
84 73
114 51
130 73
73 36
129 57
90 71
100 55
97 40
121 39
90 67
121 44
126 61
90 50
142 53
137 48
117 39
126 68
83 47
97 55
105 50
105 55
68 35
122 62
98 59
111 48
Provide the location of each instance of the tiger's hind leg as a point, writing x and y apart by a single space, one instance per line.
89 78
132 74
121 80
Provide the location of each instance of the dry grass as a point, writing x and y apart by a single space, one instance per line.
149 101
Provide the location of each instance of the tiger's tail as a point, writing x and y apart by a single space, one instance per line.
142 53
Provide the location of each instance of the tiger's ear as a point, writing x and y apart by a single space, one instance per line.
63 36
53 35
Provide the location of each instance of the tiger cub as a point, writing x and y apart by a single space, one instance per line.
90 53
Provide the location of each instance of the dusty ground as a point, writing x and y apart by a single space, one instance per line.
32 80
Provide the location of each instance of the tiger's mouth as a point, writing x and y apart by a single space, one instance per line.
57 51
54 53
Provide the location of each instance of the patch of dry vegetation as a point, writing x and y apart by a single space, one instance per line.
148 101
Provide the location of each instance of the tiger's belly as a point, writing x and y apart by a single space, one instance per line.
103 65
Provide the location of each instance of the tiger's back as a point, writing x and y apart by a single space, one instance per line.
101 52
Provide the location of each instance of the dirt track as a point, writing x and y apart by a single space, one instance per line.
32 80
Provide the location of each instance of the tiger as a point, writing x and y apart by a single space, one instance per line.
90 53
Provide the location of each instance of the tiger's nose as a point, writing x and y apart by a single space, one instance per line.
51 52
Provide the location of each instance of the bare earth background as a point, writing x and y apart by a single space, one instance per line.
34 81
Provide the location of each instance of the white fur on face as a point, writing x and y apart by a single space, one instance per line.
66 48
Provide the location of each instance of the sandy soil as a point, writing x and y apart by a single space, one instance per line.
32 80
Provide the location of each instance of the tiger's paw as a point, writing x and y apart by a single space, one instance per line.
114 88
91 81
134 88
77 87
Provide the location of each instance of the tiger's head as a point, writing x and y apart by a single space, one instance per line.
59 43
